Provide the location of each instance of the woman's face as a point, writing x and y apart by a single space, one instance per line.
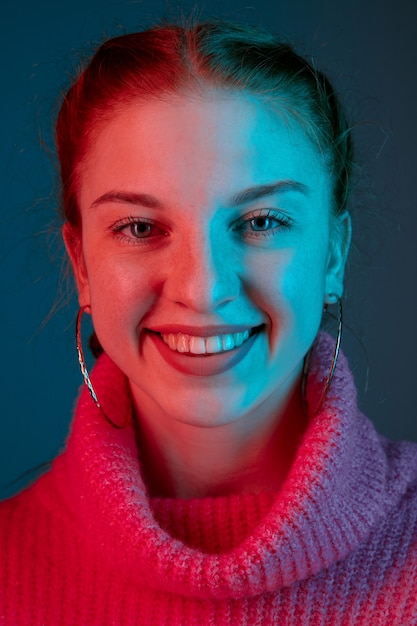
208 248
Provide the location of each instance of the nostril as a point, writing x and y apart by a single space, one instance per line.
201 293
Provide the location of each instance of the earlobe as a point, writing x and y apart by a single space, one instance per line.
73 245
338 254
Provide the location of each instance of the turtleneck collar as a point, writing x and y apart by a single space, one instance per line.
333 496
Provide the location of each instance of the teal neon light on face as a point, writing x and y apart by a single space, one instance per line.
208 246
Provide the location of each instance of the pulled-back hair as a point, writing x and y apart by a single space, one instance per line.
168 60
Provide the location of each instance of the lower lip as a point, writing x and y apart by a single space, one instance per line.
196 365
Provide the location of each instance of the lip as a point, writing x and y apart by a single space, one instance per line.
204 365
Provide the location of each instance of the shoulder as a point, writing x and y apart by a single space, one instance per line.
24 515
397 533
18 509
401 464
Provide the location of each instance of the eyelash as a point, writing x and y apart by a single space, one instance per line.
131 221
282 220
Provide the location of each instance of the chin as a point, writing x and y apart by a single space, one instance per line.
204 412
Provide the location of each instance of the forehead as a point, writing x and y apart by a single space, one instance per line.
198 147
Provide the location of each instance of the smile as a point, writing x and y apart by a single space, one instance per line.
184 343
203 352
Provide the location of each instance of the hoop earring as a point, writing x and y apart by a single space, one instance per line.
332 365
84 370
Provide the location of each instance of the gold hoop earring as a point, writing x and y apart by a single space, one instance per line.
338 301
84 370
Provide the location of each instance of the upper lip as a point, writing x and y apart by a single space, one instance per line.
201 331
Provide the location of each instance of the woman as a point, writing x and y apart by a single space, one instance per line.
218 470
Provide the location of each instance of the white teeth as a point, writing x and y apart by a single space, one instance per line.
213 345
197 345
228 342
238 337
183 344
204 345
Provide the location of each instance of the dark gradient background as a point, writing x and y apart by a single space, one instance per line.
368 48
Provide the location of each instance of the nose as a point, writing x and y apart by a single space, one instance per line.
203 275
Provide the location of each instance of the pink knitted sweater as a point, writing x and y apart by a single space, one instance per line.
85 545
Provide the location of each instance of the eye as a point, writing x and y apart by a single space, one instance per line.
140 230
262 223
137 230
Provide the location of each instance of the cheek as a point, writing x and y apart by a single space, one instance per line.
304 286
289 286
304 279
121 294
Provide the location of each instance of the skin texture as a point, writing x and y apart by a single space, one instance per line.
203 260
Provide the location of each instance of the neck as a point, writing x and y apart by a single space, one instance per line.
188 461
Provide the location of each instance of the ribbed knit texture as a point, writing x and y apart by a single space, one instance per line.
336 546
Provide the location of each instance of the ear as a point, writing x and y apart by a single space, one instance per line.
338 252
73 244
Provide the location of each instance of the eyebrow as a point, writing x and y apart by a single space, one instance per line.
242 197
259 191
128 197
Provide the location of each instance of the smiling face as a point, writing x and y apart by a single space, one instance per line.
208 248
